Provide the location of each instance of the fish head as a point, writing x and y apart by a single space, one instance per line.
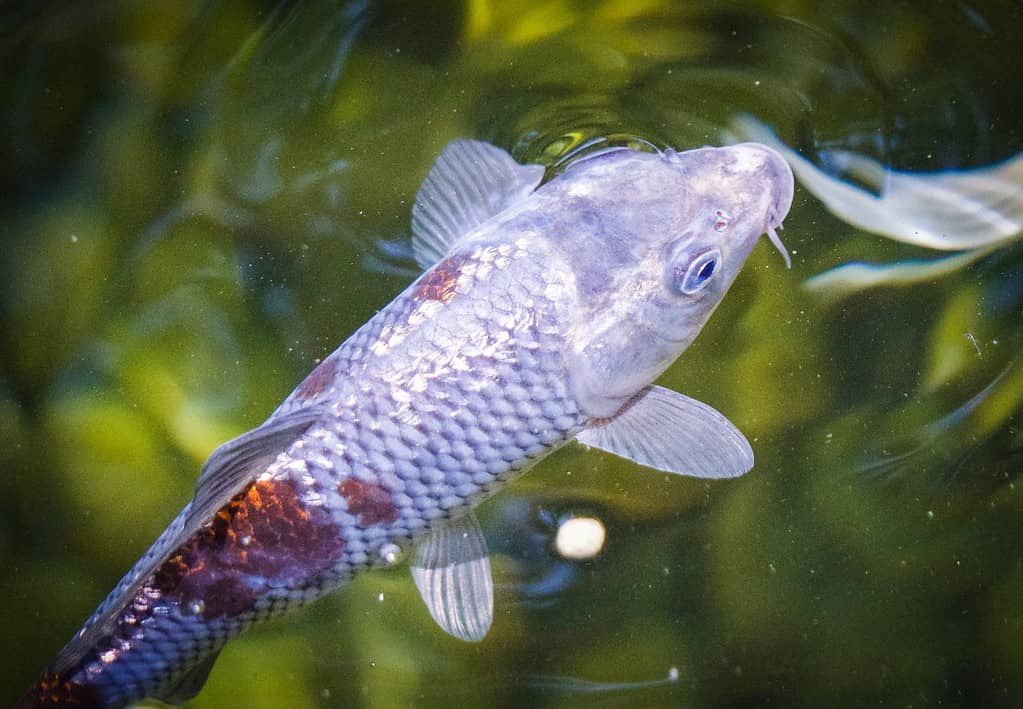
661 239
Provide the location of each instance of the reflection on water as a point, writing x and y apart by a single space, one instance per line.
200 199
974 211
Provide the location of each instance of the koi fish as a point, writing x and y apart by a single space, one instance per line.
544 315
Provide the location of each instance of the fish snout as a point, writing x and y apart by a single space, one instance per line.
784 185
768 167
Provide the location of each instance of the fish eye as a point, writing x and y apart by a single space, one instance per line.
694 277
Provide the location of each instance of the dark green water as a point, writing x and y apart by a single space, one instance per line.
193 199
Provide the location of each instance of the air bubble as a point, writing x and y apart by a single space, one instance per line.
390 553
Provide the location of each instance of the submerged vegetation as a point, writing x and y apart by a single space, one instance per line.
201 199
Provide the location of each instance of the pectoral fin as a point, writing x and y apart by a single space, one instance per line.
470 182
668 431
452 573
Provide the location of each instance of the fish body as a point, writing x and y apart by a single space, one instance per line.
543 316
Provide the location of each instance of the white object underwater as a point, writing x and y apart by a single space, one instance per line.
972 212
580 538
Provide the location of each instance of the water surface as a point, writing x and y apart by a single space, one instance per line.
201 199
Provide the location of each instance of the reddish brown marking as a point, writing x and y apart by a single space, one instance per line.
318 380
55 690
263 536
372 502
439 282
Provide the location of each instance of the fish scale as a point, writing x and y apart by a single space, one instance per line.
428 455
545 314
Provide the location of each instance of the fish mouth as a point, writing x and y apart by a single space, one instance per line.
785 182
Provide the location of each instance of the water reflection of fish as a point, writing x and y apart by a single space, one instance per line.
544 315
972 212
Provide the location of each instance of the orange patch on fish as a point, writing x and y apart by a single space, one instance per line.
318 380
53 689
264 536
439 282
373 503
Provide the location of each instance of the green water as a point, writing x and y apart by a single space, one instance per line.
197 201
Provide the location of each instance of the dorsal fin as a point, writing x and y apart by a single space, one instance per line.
236 463
470 182
226 473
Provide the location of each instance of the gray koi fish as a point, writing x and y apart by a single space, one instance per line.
544 315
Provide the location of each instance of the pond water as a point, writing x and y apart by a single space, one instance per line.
201 199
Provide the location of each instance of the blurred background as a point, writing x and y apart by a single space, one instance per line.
200 199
